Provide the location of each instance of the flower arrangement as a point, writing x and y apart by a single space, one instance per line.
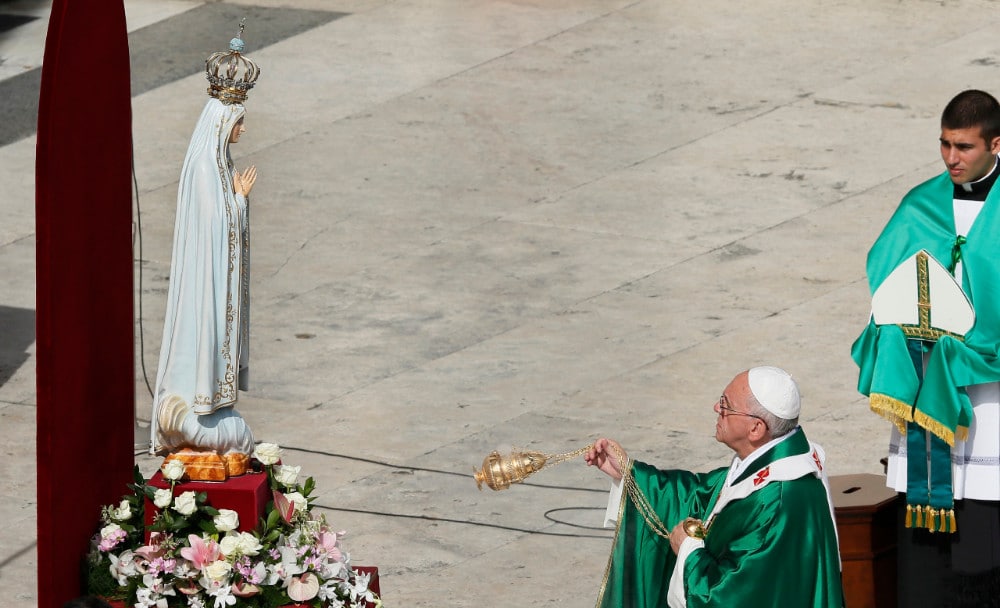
195 557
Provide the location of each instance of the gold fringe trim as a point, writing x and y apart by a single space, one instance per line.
899 413
892 409
935 427
930 519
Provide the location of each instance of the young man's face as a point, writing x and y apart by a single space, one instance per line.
966 154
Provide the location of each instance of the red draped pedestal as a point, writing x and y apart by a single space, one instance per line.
248 495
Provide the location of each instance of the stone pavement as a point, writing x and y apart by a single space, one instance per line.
531 223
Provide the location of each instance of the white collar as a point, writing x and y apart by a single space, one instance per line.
739 466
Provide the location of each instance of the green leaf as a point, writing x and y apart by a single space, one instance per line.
309 486
272 519
208 526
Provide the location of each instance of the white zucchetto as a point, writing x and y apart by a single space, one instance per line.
776 391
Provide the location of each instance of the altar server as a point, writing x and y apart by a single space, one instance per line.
937 384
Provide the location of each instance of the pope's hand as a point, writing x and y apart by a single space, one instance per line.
677 536
243 182
605 455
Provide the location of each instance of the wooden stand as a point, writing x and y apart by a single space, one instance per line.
866 524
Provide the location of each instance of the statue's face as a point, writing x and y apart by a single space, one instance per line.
238 130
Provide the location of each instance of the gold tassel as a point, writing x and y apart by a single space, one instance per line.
929 519
942 522
919 517
909 516
951 520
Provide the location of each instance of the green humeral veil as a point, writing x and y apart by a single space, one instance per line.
749 550
892 372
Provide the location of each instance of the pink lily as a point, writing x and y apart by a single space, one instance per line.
200 553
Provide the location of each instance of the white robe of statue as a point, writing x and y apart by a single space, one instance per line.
204 353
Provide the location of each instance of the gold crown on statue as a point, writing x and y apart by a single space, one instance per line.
230 74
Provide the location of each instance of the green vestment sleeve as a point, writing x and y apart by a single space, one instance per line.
638 572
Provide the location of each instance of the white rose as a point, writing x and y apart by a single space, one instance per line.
123 512
110 530
300 502
248 544
162 498
286 475
218 570
185 504
173 469
227 520
267 453
229 544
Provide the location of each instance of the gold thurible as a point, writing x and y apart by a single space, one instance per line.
694 528
499 472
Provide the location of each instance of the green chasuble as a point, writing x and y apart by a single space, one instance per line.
936 401
775 547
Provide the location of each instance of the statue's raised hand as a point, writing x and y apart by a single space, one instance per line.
243 182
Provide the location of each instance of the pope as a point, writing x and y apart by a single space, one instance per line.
759 532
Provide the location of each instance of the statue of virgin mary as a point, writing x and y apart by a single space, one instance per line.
204 354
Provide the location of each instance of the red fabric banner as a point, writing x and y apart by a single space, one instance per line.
84 343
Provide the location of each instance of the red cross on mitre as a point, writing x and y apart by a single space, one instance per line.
816 458
762 475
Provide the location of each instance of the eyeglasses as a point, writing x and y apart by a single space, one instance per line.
725 410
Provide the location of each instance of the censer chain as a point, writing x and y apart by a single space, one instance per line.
554 459
639 499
